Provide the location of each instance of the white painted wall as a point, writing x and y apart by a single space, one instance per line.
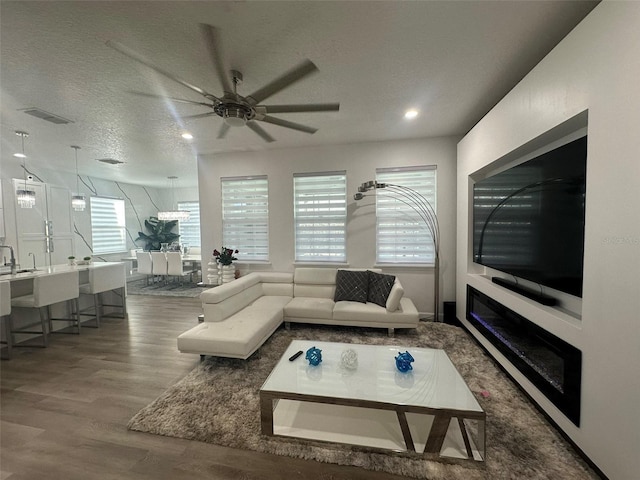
360 162
595 68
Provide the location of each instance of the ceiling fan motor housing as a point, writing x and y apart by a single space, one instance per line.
234 114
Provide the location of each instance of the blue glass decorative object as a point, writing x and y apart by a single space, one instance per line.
403 362
314 355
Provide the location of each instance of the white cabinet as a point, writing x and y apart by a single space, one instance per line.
46 230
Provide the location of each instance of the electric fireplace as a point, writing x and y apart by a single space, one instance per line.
551 364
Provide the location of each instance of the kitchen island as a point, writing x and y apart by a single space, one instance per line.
22 283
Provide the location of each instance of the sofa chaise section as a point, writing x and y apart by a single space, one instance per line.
239 316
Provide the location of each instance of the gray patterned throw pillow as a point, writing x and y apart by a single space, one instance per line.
380 286
352 286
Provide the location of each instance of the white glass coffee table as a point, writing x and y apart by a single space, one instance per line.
374 406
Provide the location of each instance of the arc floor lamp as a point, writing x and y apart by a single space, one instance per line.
425 212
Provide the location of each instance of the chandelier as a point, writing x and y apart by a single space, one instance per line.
169 215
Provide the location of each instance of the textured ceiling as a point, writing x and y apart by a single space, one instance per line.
453 60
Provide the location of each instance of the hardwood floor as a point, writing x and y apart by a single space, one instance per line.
64 409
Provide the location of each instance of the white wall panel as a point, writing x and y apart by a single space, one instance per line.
595 68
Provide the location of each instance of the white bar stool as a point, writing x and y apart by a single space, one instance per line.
48 290
144 264
104 279
5 314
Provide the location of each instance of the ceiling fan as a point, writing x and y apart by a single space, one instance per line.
237 110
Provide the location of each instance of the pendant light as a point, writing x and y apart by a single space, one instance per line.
169 215
78 202
26 198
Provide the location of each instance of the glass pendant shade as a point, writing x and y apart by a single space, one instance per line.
78 202
26 198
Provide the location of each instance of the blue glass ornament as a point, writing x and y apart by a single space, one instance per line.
314 355
403 362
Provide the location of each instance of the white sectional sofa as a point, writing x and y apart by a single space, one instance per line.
241 315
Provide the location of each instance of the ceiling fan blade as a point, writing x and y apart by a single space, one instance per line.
305 68
260 131
314 107
139 58
198 115
224 128
173 99
213 43
287 124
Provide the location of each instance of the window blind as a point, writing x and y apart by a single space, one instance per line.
320 213
108 228
245 217
402 236
189 230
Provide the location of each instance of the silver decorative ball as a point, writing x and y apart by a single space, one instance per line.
349 359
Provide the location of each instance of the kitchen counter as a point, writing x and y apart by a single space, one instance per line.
27 274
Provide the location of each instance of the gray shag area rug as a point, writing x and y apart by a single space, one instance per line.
171 289
218 402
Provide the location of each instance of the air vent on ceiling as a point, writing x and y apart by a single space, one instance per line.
110 161
49 117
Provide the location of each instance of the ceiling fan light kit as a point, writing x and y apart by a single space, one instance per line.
234 109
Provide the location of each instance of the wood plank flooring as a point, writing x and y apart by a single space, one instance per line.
64 409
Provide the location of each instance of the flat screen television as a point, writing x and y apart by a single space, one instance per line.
528 220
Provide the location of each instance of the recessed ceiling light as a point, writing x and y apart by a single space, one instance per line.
187 136
20 155
411 114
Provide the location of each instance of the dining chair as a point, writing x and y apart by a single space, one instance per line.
104 279
5 316
145 265
175 267
159 264
48 290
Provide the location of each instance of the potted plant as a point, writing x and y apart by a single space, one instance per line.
159 232
225 256
71 259
87 260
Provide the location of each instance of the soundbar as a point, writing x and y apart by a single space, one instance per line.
525 292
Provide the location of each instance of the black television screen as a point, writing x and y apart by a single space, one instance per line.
528 221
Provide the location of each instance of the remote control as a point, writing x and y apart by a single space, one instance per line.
295 355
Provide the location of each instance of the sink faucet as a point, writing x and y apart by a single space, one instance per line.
34 259
13 258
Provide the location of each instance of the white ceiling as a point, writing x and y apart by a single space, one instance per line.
453 60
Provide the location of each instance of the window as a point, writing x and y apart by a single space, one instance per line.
402 236
108 229
189 230
320 214
245 217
